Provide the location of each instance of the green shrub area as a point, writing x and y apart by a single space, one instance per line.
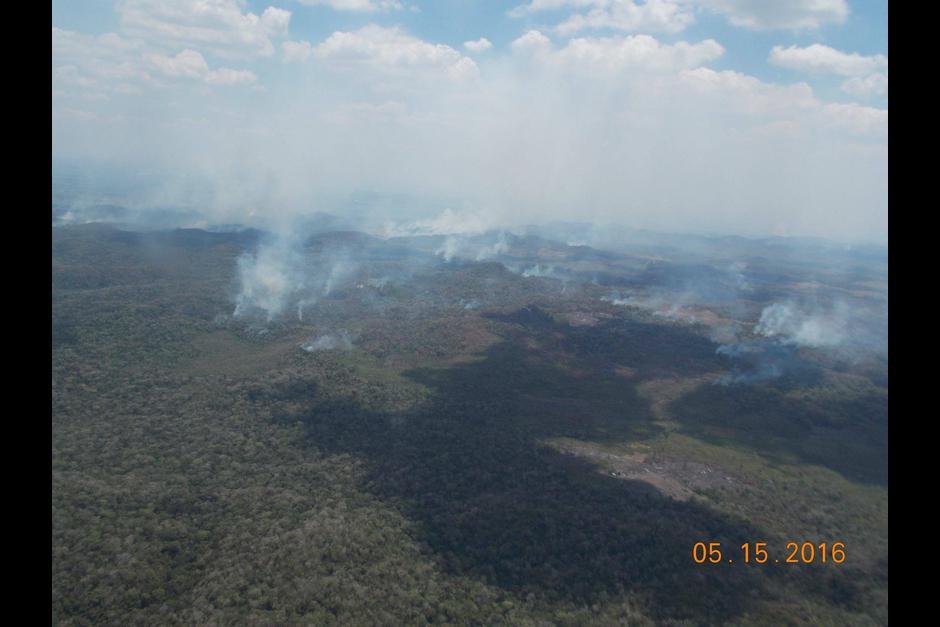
206 473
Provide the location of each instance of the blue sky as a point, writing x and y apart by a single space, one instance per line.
729 115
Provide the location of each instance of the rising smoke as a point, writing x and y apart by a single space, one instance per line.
283 276
341 340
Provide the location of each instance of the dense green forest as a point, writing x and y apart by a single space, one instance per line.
497 464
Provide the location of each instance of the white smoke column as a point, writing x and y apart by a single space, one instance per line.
470 247
283 274
786 322
538 271
499 247
268 278
736 272
339 341
304 302
341 271
658 306
449 249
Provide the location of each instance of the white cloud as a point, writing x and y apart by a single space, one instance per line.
867 74
186 64
106 62
857 118
531 42
823 59
616 54
362 6
552 5
94 67
661 16
672 16
640 51
217 26
390 50
296 51
737 92
867 86
658 16
189 64
480 45
228 76
780 14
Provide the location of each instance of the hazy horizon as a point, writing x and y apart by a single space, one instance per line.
674 115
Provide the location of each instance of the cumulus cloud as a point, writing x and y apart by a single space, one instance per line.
551 5
868 74
218 26
780 15
110 64
639 51
480 45
360 6
867 86
616 54
530 42
391 49
746 94
857 118
820 58
186 64
191 65
296 51
672 16
101 63
657 16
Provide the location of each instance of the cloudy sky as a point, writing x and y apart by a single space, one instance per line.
740 116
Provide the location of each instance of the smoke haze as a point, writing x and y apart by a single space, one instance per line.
395 131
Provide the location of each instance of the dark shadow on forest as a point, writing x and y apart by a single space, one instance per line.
491 503
847 435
